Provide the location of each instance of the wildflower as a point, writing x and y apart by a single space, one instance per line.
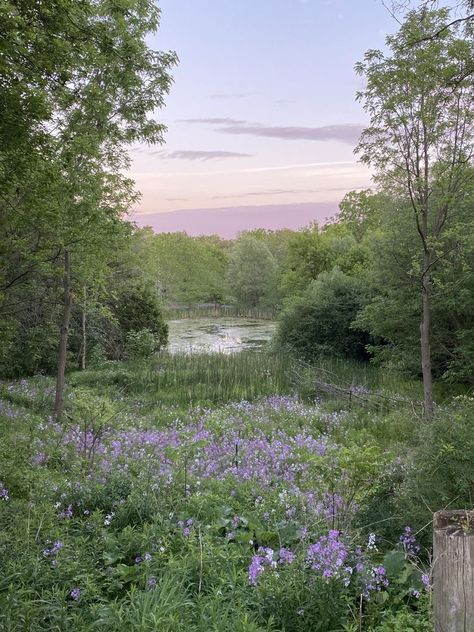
108 519
4 495
371 542
286 556
409 543
75 594
256 568
425 580
263 558
66 514
151 583
328 555
375 580
53 551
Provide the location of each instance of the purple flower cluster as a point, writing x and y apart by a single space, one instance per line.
242 441
328 557
376 580
264 558
52 551
66 514
409 543
186 527
75 594
4 494
286 556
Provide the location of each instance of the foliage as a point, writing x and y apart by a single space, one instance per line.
440 473
252 272
141 344
321 320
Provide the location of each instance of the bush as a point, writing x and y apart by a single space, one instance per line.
441 473
320 321
141 344
138 310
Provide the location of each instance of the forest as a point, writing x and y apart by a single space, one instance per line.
285 489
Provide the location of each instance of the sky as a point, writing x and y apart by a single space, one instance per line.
262 118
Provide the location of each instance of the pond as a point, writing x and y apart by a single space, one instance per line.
218 335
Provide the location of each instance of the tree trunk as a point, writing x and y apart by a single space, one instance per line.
84 332
425 338
63 339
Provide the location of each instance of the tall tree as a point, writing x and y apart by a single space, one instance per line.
421 106
82 84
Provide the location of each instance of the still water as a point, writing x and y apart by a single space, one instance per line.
213 335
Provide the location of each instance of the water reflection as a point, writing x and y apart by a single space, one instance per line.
224 335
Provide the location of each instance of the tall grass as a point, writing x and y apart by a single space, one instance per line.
218 311
192 379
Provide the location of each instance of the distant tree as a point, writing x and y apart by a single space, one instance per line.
309 254
252 272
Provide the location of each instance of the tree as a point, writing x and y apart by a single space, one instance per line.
252 272
421 108
320 320
82 85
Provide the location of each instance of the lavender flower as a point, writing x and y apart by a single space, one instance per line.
328 555
4 495
425 578
75 594
409 543
66 514
257 566
286 556
54 550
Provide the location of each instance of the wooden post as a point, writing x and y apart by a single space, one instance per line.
453 571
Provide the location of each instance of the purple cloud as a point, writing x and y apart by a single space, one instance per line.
345 133
274 192
203 155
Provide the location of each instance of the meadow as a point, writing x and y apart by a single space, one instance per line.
208 492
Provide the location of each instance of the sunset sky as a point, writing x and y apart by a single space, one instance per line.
262 118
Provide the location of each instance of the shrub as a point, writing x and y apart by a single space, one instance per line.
441 473
320 321
141 344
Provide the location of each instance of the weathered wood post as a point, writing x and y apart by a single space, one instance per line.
453 571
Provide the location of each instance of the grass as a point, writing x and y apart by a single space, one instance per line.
219 311
186 380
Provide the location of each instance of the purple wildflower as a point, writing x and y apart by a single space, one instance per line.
328 555
4 495
66 514
409 543
53 551
263 558
75 594
286 556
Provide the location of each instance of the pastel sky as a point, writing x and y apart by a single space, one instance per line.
262 114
